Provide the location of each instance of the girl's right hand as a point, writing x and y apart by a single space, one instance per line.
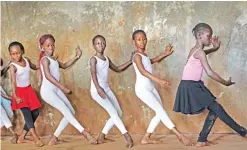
18 100
78 51
101 92
164 83
229 82
66 90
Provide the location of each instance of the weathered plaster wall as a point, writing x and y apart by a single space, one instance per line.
74 23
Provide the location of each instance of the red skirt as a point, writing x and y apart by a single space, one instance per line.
28 96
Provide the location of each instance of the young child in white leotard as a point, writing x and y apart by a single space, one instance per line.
52 91
101 92
146 91
24 97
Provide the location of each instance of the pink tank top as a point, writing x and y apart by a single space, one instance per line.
193 69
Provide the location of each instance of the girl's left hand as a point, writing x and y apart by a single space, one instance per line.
216 42
78 51
169 49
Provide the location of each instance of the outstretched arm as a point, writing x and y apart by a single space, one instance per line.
202 56
168 52
121 67
73 60
32 66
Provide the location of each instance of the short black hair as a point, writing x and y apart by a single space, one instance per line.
98 36
137 31
15 43
199 27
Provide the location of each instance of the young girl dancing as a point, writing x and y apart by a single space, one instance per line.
146 91
193 96
52 91
101 92
23 95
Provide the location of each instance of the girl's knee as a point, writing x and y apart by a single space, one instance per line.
216 108
120 113
113 113
36 113
73 111
115 116
212 116
159 111
30 125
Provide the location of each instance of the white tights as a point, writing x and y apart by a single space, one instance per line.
56 98
153 100
110 104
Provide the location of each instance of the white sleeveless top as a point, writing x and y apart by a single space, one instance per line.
54 71
102 68
141 80
22 74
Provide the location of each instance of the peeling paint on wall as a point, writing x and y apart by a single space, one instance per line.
76 23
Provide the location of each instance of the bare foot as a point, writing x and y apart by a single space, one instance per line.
61 141
128 140
38 143
53 141
14 139
101 138
203 144
89 137
184 140
148 141
23 140
212 143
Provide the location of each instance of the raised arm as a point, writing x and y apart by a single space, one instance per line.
71 61
216 45
168 52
